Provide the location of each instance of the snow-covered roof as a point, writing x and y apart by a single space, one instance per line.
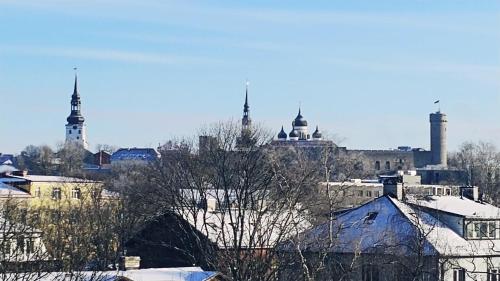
148 274
442 238
354 183
370 228
459 206
11 180
252 229
386 225
135 154
7 168
43 178
12 192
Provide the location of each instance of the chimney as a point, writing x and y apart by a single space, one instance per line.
21 173
470 192
394 187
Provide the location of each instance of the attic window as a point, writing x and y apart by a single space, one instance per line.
370 217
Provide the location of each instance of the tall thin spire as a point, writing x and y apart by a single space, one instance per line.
75 116
246 121
246 107
75 89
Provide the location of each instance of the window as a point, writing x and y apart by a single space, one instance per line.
493 275
30 246
459 274
370 217
387 165
6 247
56 193
370 272
368 194
482 230
79 132
492 229
20 244
377 193
77 138
377 165
360 193
76 193
38 192
439 191
70 132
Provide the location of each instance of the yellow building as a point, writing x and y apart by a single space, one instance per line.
56 191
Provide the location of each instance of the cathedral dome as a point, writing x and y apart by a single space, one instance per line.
293 134
299 120
317 134
282 134
75 119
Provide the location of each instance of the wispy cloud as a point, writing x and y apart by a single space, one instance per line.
239 16
106 55
477 72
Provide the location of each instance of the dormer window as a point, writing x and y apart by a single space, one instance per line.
370 217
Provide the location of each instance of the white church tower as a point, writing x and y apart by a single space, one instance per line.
75 129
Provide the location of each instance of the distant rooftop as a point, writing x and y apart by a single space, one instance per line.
7 191
459 206
41 178
135 154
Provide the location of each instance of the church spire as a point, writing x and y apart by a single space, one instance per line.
246 121
75 116
75 128
246 107
75 89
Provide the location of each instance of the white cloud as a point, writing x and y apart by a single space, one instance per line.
106 55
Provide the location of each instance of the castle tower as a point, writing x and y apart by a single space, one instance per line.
246 122
75 129
439 151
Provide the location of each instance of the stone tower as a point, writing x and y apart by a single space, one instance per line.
439 150
75 129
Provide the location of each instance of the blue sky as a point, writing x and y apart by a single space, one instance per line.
367 72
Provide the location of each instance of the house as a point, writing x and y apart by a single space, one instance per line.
55 190
169 241
355 192
21 247
403 237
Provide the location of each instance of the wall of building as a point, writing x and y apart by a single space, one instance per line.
77 133
388 160
476 268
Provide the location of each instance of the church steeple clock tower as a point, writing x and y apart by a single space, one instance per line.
75 129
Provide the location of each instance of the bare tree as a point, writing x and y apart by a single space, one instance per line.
481 162
23 255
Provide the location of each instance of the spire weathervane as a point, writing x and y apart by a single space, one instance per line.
439 105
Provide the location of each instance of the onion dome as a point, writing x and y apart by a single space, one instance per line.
317 134
293 134
299 120
282 134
